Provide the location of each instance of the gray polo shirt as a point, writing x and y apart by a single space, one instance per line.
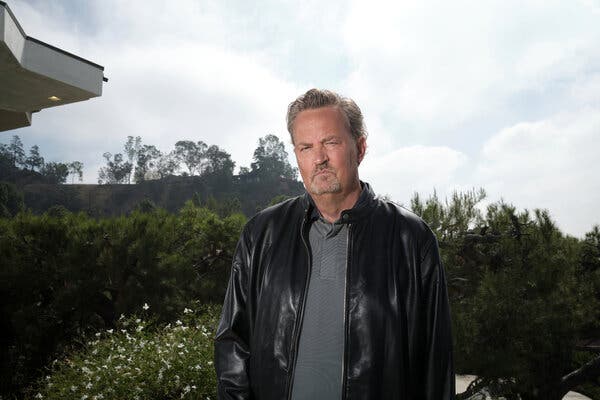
318 373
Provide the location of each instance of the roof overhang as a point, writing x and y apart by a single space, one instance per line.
35 75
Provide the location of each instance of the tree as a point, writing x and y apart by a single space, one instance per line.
218 161
271 159
166 165
519 300
11 200
115 171
192 155
132 147
34 161
244 171
147 158
590 255
55 172
15 149
7 167
76 169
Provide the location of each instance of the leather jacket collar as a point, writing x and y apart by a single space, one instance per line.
363 207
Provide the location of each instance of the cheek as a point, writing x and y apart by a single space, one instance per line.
303 167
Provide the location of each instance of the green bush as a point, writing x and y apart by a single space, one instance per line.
64 275
139 360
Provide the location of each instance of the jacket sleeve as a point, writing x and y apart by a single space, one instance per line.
438 374
232 349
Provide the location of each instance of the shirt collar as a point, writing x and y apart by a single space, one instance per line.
363 205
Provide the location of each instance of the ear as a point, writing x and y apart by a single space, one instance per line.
361 148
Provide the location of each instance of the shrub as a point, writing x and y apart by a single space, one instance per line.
139 360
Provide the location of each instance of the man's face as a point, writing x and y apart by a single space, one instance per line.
327 154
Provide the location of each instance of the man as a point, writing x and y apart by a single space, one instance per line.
335 294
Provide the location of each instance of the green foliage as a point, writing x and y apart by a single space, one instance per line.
66 274
278 199
11 200
15 149
192 154
136 360
15 167
55 172
35 160
76 169
147 159
116 170
206 247
222 208
271 159
520 298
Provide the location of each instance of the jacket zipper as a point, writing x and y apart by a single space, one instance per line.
296 339
344 355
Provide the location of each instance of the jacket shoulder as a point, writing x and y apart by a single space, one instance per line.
276 216
409 223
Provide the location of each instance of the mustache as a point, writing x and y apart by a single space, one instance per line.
319 169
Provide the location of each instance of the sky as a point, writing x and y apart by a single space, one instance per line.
500 95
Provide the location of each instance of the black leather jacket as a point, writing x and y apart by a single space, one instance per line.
397 332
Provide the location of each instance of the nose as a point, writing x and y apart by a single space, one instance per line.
320 156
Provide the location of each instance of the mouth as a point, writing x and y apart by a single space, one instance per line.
323 171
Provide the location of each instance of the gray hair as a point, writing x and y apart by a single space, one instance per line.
317 98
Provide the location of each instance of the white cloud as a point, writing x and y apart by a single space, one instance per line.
168 80
437 82
438 66
550 164
404 171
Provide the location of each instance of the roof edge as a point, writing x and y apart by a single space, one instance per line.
34 40
2 3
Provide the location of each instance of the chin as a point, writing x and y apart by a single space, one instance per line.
333 187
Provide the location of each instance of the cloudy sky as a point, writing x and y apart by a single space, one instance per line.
503 95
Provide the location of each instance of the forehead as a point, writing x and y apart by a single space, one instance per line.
320 121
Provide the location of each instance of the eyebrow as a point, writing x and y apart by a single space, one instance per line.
322 140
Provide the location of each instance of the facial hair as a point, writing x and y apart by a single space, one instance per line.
330 185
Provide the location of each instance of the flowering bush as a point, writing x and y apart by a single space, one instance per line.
137 361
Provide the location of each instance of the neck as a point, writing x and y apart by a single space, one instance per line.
331 205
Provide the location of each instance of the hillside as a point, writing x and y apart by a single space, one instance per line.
169 193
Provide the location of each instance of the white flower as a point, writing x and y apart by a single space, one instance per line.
187 311
89 385
178 322
39 396
73 388
109 330
146 306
